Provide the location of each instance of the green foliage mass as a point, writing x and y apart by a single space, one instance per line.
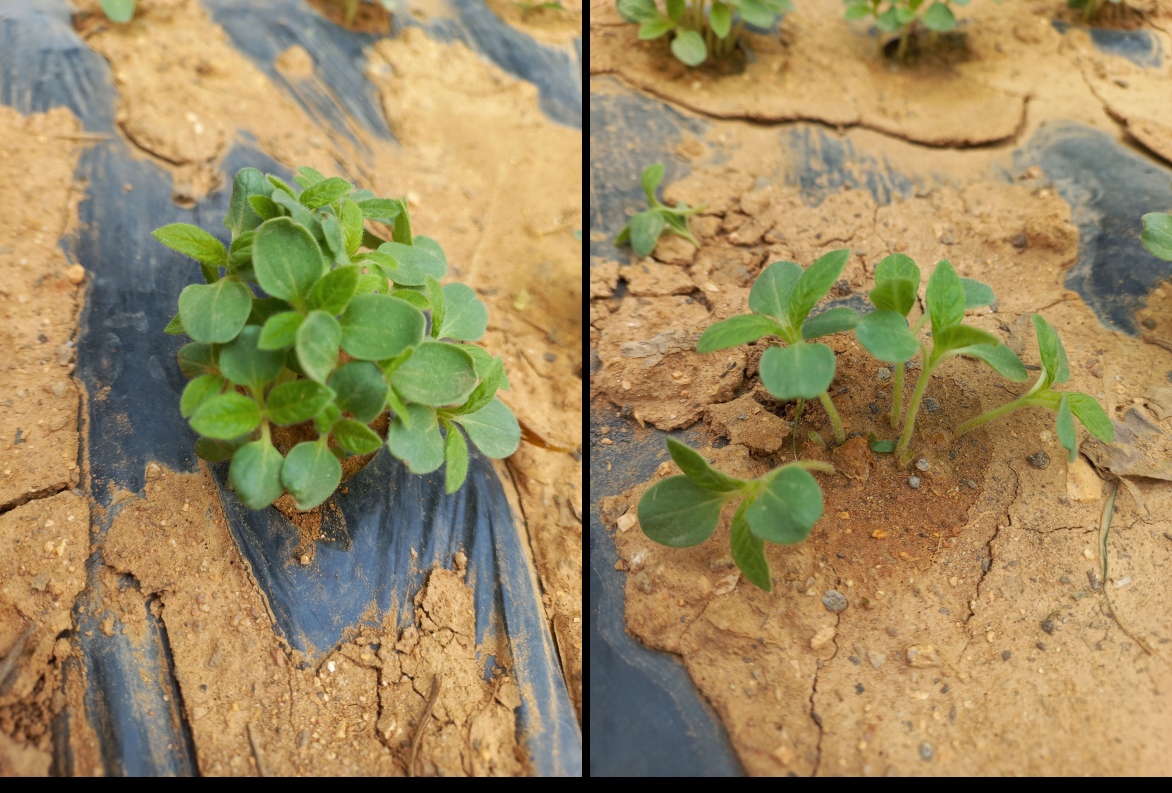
701 28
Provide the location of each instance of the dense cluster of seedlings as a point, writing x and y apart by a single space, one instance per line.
701 28
339 335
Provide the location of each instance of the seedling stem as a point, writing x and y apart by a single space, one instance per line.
835 420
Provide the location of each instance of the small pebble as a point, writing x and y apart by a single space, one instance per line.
926 751
1019 241
1039 459
914 482
1041 646
970 484
1048 625
922 464
884 373
1005 655
874 408
931 404
834 601
1065 579
549 357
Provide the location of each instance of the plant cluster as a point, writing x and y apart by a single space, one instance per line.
643 230
339 335
903 16
700 28
785 503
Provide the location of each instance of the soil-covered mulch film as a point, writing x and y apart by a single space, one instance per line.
149 624
1004 612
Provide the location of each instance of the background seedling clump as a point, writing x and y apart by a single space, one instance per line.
338 336
701 28
643 230
903 17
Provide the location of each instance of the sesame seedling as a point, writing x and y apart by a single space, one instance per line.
338 336
1055 370
781 300
780 506
1157 234
120 11
528 9
643 229
902 17
1090 8
700 28
885 333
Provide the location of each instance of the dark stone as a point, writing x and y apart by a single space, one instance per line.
1019 241
1005 655
931 404
1048 625
1039 459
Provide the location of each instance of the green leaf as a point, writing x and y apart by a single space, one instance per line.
360 389
976 294
375 327
326 418
858 11
335 239
720 18
771 291
436 374
241 361
120 11
384 210
696 468
688 46
677 513
214 313
256 474
198 391
240 253
756 14
1157 234
939 18
735 331
489 383
355 437
310 473
787 507
325 192
654 28
675 9
287 259
651 178
945 297
420 445
296 401
307 176
894 294
370 282
883 447
888 21
637 10
898 265
280 331
886 336
955 337
645 230
1092 416
414 264
398 408
905 14
412 295
465 318
175 327
194 242
317 345
493 428
215 451
402 230
455 458
833 320
264 207
748 550
800 371
265 307
241 217
1001 358
1053 354
815 284
226 416
301 215
1066 428
352 226
196 359
435 299
333 292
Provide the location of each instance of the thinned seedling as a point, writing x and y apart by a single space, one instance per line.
780 506
643 230
1055 370
781 299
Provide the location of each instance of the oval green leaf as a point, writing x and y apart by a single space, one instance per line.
645 230
287 259
898 265
886 336
833 320
945 297
196 359
214 313
280 331
415 264
771 291
226 416
455 459
748 550
297 401
976 294
689 47
375 327
1157 234
1001 358
894 294
465 317
1053 354
493 429
325 192
198 391
696 468
1066 434
310 473
241 361
256 474
787 507
417 442
676 512
317 345
194 242
814 283
355 437
1092 416
333 292
361 389
800 371
736 331
436 374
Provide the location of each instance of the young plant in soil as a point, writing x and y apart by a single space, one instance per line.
339 335
780 506
1157 234
120 11
903 16
1055 370
1090 8
701 28
781 299
885 333
643 230
528 9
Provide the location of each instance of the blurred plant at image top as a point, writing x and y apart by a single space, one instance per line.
904 16
701 28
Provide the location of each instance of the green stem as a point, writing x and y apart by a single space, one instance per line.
733 35
995 413
897 395
835 421
904 38
794 432
913 407
812 465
